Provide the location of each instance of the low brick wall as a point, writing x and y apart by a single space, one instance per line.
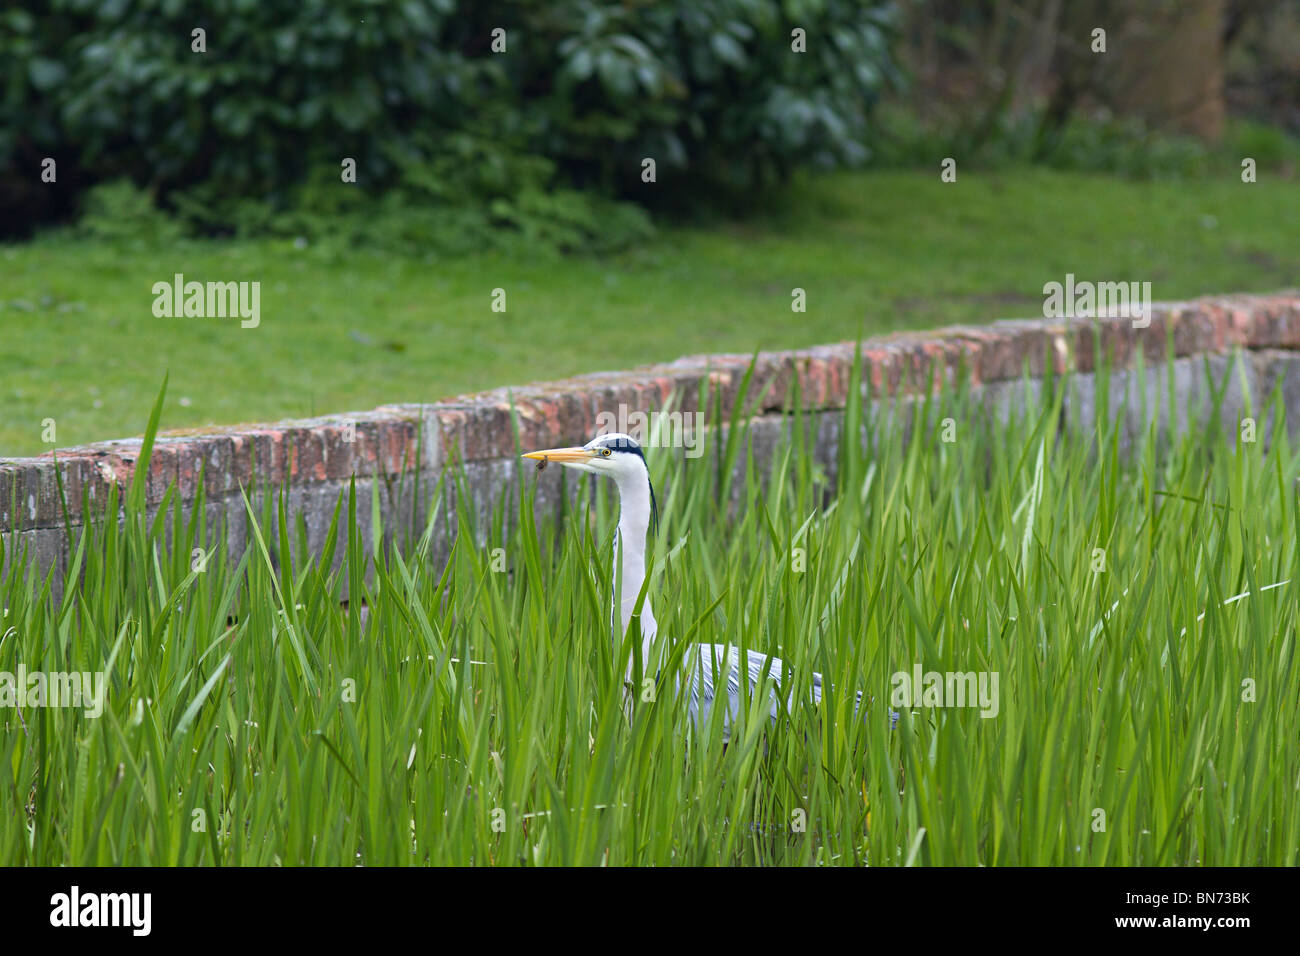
405 448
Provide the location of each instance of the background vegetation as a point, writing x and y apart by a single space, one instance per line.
345 329
539 133
522 171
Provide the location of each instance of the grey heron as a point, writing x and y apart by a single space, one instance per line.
619 456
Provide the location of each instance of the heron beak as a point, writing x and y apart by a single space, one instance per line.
562 456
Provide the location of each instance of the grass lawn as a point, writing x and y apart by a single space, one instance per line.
874 251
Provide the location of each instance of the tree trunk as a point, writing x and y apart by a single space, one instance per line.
1170 69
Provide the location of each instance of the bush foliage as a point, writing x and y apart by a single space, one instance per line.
535 137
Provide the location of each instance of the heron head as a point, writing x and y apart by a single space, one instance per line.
615 455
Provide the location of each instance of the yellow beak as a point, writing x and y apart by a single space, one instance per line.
561 455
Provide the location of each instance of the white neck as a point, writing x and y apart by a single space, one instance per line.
629 558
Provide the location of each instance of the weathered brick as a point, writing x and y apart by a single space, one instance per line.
217 465
475 432
313 459
304 450
20 507
1274 322
163 469
1195 328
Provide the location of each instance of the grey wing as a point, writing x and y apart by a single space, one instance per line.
717 666
714 666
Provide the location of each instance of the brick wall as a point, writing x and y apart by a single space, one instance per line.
403 449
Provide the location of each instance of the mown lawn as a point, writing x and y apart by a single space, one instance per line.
874 252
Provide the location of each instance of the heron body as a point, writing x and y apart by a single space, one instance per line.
711 665
713 670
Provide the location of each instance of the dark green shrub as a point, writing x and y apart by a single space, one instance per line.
257 125
117 211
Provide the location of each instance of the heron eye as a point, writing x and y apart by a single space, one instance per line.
606 452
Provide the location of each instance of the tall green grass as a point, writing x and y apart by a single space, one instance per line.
478 716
